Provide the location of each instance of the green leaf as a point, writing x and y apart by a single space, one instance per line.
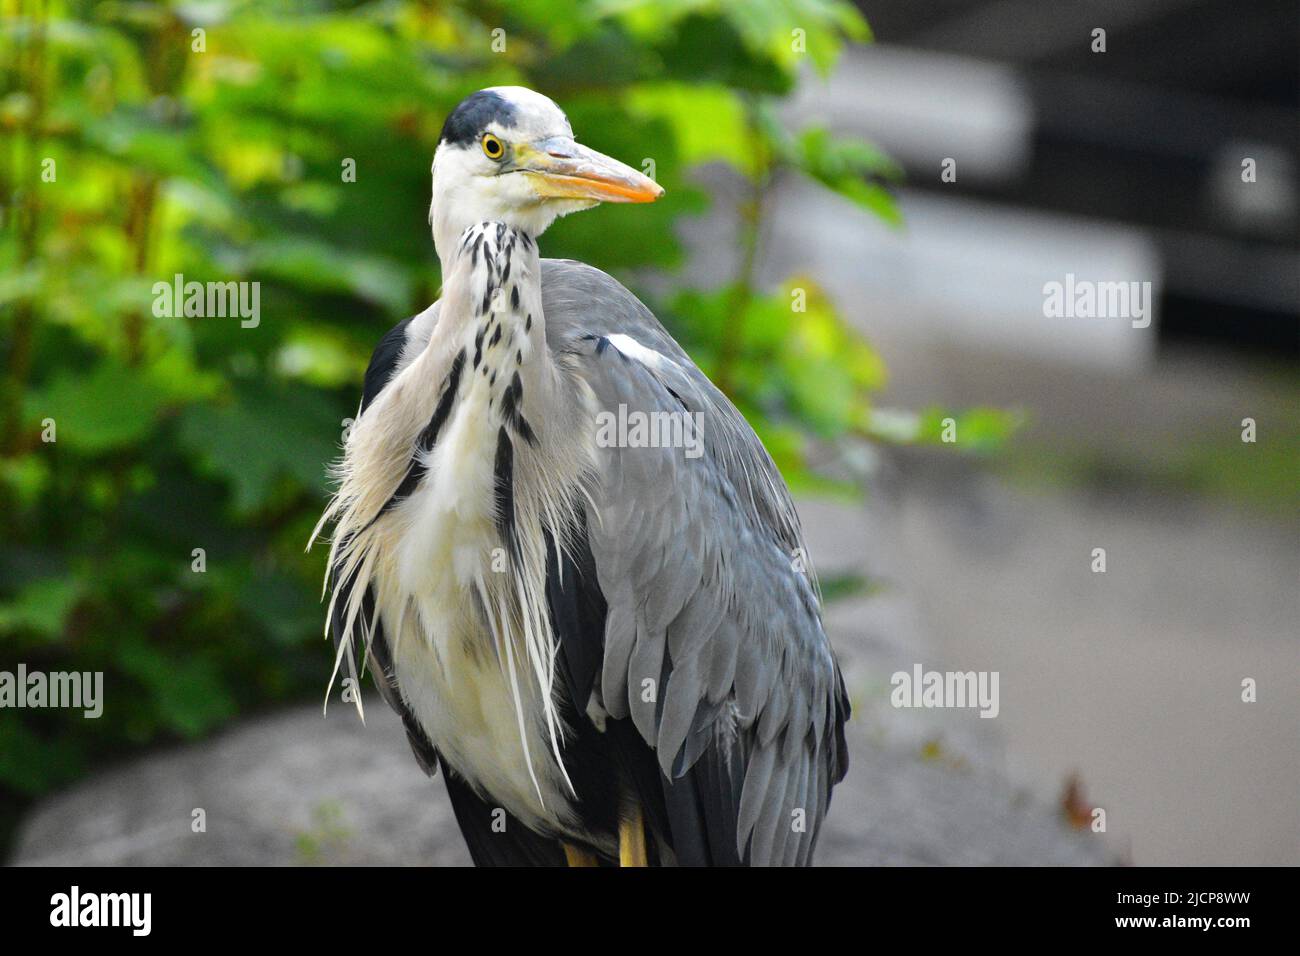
111 407
188 693
849 167
31 764
281 604
841 586
311 264
707 122
265 435
41 607
975 429
783 31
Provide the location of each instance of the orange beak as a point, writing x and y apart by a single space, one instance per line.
563 169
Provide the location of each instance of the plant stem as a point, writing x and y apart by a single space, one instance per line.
26 220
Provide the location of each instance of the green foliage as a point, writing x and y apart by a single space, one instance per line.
176 434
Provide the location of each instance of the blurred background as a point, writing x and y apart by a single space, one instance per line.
859 225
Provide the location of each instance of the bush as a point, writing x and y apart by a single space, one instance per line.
159 538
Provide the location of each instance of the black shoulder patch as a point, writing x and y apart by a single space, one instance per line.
467 121
383 362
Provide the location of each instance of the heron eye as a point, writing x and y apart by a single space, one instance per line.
492 147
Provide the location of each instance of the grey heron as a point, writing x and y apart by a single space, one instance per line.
611 648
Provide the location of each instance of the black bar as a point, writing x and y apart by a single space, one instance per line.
309 905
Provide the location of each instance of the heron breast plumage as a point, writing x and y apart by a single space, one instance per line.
463 597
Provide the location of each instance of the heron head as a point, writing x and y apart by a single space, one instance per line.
507 154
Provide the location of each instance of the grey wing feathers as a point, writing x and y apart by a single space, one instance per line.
713 643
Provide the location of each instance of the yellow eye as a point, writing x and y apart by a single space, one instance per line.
492 147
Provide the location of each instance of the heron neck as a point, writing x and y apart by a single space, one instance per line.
492 295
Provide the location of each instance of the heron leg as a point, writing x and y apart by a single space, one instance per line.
631 837
576 856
